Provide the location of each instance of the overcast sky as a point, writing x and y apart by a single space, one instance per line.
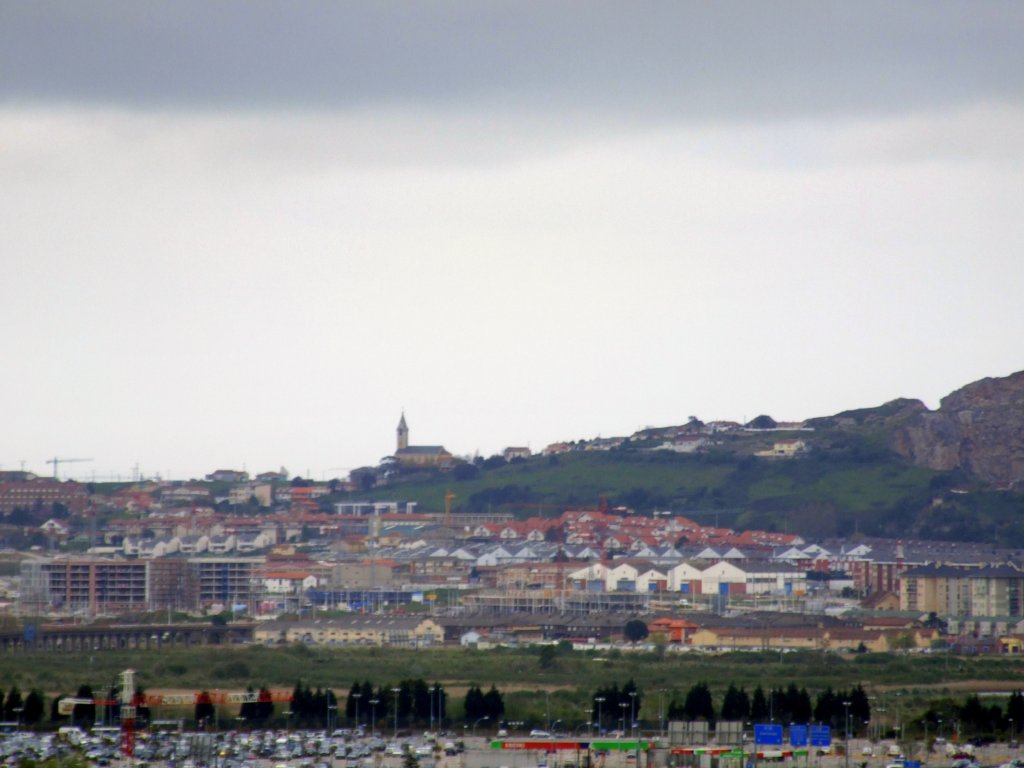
251 233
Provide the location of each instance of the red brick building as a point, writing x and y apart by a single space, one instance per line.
42 493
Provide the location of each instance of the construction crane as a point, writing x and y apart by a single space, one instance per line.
58 461
449 497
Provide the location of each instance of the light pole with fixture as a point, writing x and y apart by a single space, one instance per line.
600 701
373 716
480 720
846 748
632 712
396 691
661 712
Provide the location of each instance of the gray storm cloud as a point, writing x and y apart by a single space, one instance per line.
702 60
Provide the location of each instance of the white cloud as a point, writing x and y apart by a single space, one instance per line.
193 289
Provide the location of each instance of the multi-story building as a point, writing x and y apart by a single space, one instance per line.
172 584
42 492
992 590
226 580
87 585
366 574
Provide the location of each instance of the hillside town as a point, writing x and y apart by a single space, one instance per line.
305 561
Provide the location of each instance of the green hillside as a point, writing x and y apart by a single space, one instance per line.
848 483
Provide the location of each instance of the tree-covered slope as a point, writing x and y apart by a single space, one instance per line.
847 483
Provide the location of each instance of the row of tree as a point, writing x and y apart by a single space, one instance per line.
419 703
789 705
484 706
28 710
974 718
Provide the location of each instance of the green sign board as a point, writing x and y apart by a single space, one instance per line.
621 745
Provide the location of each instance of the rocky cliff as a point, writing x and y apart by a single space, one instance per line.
978 429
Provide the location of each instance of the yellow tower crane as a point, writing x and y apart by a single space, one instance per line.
449 497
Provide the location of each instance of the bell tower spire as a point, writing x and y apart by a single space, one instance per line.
403 433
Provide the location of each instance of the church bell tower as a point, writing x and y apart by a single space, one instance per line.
403 433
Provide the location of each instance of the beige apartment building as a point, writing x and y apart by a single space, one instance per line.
357 629
971 591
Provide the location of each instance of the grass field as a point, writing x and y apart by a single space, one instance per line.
569 683
684 482
849 486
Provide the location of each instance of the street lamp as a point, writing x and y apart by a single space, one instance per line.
373 716
623 705
846 749
632 711
480 720
357 697
547 711
600 701
661 712
396 691
1011 733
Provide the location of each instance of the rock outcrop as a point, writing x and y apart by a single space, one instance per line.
978 429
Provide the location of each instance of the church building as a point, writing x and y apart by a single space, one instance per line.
425 456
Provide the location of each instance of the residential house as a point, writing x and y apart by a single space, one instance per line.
288 582
785 449
227 476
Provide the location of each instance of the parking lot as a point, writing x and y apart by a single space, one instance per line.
239 749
